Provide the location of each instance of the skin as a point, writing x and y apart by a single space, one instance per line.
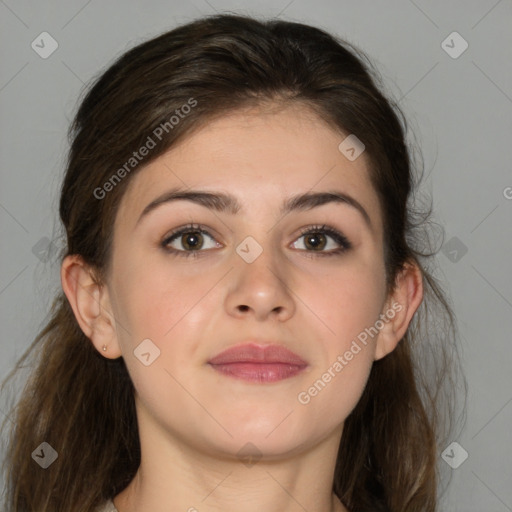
192 420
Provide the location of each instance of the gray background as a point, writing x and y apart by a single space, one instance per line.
461 112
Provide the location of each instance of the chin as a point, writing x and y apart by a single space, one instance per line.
256 446
268 433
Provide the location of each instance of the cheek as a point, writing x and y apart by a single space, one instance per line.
173 311
337 382
166 308
332 396
153 301
347 301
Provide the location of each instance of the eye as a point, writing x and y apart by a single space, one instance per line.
316 239
191 238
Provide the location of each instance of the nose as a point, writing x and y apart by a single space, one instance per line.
260 289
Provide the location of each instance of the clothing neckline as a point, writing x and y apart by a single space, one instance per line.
109 507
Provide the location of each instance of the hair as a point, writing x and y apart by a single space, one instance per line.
75 398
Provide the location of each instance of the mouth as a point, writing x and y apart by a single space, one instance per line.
257 363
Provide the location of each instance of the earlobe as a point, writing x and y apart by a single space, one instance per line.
90 303
400 308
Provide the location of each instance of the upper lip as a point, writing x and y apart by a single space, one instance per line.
255 353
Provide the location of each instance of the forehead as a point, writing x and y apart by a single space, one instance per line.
262 155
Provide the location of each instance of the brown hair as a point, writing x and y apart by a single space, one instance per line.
75 398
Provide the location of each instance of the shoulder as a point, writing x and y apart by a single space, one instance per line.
107 506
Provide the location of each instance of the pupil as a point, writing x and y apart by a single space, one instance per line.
190 240
316 238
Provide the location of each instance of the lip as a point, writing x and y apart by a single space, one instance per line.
258 363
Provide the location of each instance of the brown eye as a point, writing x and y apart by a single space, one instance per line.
189 240
192 240
318 238
315 241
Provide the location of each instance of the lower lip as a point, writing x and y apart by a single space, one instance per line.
259 372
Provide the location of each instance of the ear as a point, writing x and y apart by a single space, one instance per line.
91 305
399 309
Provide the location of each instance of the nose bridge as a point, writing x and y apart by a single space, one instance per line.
261 278
260 262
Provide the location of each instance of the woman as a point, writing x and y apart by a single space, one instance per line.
243 285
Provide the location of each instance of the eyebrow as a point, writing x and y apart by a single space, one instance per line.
223 202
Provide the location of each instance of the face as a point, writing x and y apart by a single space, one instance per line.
196 280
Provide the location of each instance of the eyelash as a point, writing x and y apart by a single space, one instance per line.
195 228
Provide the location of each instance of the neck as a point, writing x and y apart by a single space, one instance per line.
176 476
